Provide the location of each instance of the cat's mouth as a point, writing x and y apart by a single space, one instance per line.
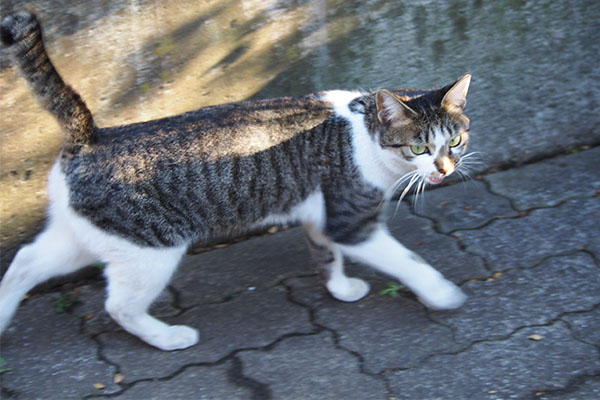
434 179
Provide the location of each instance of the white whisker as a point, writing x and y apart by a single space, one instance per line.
414 176
392 189
419 191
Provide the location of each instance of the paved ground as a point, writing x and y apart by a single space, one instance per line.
523 243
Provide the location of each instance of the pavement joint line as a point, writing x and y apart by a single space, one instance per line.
572 252
512 164
570 327
462 247
445 325
229 357
176 299
591 254
336 337
236 376
469 346
522 214
488 187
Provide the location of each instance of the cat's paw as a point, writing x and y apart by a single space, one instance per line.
445 295
349 289
176 337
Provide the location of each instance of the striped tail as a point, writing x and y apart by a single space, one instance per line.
23 33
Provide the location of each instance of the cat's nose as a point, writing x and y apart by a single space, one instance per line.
444 165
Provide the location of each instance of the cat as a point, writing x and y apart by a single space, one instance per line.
136 196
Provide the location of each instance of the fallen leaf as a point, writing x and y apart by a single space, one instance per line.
467 208
118 377
535 336
99 386
89 316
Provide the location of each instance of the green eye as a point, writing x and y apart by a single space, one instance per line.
455 141
418 149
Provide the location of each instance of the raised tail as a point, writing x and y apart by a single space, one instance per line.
23 33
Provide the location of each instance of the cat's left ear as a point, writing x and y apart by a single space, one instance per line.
455 99
391 111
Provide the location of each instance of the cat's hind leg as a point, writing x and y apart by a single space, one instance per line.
135 278
331 263
54 252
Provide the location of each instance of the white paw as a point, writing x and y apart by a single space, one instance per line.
176 337
445 295
348 290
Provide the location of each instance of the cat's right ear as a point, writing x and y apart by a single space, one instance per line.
391 111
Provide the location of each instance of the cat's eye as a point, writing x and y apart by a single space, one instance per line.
455 141
418 149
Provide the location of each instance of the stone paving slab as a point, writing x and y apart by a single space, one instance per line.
48 354
533 296
524 242
387 332
214 276
251 320
311 367
463 206
550 182
517 367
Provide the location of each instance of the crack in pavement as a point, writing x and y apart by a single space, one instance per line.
504 338
336 337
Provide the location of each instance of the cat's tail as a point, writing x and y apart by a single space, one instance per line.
23 33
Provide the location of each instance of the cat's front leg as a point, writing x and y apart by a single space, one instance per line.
330 261
386 254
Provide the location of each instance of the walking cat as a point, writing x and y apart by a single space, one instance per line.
136 196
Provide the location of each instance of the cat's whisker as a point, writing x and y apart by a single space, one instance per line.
419 190
464 176
389 194
413 178
472 159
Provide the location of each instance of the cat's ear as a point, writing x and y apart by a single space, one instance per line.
391 111
455 99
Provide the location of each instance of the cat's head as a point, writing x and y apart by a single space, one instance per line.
427 133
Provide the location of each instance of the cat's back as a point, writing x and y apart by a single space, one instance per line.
216 132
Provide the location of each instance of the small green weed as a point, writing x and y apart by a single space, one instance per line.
3 367
392 289
65 302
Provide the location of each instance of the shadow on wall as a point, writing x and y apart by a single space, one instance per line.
226 51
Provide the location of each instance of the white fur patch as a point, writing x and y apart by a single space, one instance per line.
368 154
310 211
